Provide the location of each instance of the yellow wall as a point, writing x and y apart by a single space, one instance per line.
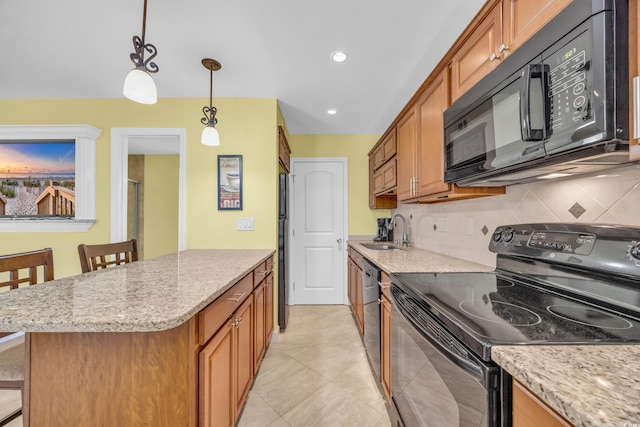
247 126
161 204
362 220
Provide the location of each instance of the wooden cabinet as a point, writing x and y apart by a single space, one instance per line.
501 31
384 178
382 172
478 55
530 411
430 151
407 140
259 317
522 19
234 332
385 335
268 313
226 369
243 347
355 287
284 152
420 135
385 150
379 201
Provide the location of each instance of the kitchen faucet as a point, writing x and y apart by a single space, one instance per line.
405 236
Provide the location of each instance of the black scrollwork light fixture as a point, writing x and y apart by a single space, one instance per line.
139 85
210 133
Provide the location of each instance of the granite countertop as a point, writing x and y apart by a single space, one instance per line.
414 260
590 385
144 296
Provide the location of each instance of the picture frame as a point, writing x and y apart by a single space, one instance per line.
230 182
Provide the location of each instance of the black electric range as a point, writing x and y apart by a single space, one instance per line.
553 284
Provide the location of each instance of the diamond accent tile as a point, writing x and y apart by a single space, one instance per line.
435 227
577 210
485 230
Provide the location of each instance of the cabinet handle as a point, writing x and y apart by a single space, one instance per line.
238 298
383 286
503 47
493 57
379 301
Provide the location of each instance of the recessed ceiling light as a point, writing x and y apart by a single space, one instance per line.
339 56
332 111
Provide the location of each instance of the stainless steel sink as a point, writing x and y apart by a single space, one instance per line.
380 247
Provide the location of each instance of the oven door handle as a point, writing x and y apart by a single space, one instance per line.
529 73
472 367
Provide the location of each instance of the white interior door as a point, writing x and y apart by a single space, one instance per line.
318 232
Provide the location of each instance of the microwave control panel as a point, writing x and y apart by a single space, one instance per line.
569 84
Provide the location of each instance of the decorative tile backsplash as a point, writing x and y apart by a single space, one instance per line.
463 228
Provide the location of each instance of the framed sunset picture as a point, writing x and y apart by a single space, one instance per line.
37 178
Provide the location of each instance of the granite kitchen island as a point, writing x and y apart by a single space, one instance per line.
121 346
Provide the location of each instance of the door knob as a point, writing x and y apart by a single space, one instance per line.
339 240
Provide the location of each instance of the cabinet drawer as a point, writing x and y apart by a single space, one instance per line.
259 274
356 257
216 313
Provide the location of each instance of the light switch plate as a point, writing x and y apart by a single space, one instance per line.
244 224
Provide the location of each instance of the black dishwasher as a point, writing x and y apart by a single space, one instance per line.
371 302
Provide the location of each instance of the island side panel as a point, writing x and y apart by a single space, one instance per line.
112 379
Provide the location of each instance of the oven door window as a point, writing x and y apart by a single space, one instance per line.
429 389
490 136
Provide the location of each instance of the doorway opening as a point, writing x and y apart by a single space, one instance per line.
153 143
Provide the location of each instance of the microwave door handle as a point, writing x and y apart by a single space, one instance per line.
530 72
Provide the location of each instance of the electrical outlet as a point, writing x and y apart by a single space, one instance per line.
244 224
442 224
468 225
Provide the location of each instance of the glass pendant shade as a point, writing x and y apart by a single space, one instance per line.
210 136
139 87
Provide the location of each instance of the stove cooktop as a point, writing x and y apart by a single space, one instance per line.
503 308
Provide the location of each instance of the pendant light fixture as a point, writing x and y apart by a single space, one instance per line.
139 85
210 133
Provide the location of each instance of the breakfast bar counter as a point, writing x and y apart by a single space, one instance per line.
121 346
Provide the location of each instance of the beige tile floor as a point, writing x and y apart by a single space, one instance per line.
314 374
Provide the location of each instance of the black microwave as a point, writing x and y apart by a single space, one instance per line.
556 106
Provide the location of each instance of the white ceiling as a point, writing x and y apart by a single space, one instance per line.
268 49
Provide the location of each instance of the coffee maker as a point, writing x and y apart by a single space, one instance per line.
384 234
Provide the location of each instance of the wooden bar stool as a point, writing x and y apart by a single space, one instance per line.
12 345
94 257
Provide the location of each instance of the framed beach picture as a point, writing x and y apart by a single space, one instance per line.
38 179
230 182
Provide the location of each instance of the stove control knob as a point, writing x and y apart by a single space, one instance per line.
508 235
635 251
497 236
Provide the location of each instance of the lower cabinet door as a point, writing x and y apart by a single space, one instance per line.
268 310
258 324
385 344
217 363
244 351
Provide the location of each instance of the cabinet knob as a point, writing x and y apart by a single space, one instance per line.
493 57
503 47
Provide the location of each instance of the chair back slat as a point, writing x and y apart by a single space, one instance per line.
95 257
27 263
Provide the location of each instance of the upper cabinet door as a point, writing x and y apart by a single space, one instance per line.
523 18
431 106
407 141
478 55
